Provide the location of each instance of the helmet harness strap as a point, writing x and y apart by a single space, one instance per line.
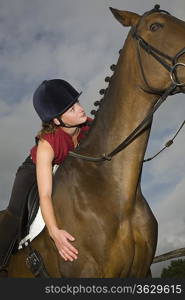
62 124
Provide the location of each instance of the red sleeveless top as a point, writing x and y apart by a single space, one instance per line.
61 143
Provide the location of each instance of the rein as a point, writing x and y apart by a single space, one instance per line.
167 144
133 134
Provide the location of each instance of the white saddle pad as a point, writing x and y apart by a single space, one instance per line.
37 226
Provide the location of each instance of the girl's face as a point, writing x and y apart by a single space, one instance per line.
75 115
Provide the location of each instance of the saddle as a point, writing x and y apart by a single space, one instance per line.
23 238
30 211
32 222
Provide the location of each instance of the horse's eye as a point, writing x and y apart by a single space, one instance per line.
155 26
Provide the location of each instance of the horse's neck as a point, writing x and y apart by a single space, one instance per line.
125 105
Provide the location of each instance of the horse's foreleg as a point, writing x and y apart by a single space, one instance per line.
144 226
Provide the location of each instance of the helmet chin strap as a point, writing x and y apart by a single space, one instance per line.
62 124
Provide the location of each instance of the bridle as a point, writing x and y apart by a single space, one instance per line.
157 54
171 68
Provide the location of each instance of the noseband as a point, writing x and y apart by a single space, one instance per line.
171 68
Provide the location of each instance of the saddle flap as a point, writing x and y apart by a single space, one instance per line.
30 210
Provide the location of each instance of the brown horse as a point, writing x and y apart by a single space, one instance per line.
101 203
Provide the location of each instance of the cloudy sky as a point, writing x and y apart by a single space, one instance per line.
78 41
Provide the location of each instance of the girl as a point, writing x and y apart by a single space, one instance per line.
64 123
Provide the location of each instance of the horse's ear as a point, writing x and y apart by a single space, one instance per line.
126 18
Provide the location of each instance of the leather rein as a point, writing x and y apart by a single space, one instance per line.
171 68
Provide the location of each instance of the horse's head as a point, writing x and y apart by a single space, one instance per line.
160 47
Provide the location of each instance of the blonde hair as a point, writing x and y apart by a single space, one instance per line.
49 127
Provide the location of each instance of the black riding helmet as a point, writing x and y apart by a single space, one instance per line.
53 97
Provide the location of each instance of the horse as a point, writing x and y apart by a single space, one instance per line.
99 200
